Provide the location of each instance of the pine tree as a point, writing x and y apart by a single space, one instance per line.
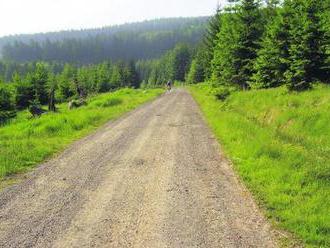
103 77
237 44
66 82
196 73
24 94
306 58
39 81
224 52
245 53
180 61
51 86
131 76
116 77
325 44
271 63
6 103
210 41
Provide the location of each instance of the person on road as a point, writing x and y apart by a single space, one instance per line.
169 85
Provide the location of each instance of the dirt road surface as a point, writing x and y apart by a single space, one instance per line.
154 178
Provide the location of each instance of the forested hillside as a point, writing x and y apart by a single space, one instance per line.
143 40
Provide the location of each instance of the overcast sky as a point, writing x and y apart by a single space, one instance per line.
31 16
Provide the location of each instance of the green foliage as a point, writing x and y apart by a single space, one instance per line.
279 144
265 46
180 61
196 72
24 94
325 44
174 65
223 62
271 62
305 55
7 106
237 46
26 142
210 41
39 80
249 19
49 83
66 81
6 99
6 115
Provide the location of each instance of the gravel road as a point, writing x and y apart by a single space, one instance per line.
154 178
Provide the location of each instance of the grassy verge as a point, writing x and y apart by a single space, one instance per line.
280 145
25 143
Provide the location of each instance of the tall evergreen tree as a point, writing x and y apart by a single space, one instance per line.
306 58
224 58
180 63
237 44
210 40
196 73
249 19
271 63
66 82
325 44
131 75
39 81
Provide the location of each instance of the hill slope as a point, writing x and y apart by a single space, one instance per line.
143 40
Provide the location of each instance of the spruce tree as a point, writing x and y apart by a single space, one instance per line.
210 41
224 52
325 44
245 53
237 44
196 72
271 63
38 80
306 59
180 61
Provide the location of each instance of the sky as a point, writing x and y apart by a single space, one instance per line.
34 16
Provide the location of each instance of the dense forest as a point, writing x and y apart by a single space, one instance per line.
144 40
255 44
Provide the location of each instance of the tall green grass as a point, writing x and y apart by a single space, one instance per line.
26 142
279 143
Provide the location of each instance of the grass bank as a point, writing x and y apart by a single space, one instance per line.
25 143
279 143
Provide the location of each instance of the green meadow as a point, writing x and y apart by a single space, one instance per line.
279 144
26 142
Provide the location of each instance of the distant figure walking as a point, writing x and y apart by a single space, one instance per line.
169 85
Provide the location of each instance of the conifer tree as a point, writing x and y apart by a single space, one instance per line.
180 61
116 76
325 44
237 44
271 63
306 58
39 81
210 40
249 19
131 76
224 52
196 73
